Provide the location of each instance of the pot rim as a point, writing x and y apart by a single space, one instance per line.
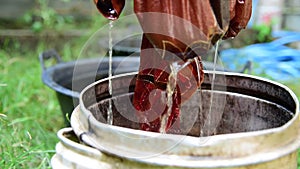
47 74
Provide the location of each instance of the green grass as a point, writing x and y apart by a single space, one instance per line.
29 113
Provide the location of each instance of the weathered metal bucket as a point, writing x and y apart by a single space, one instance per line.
258 128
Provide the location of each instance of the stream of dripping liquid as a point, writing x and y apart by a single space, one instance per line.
171 87
110 46
211 120
210 123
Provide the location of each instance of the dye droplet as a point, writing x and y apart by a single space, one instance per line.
241 1
109 9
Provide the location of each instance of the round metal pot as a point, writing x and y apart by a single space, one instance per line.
258 126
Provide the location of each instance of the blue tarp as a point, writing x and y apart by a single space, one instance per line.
274 60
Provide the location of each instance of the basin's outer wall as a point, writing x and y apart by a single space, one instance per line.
69 78
70 154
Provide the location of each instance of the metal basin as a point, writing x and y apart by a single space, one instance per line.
67 79
257 126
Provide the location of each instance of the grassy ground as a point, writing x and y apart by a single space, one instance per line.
29 111
30 114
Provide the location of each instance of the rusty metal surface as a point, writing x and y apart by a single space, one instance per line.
260 124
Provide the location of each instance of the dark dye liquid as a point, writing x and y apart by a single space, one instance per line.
109 10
